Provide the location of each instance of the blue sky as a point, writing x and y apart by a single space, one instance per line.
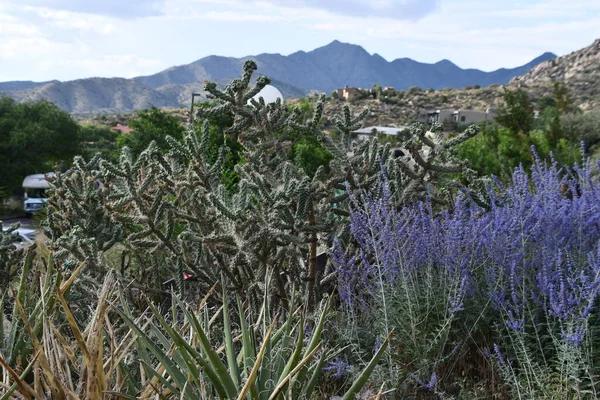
70 39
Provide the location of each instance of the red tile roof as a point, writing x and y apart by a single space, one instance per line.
122 128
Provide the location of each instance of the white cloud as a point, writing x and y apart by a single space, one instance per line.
29 48
396 9
77 21
128 65
124 9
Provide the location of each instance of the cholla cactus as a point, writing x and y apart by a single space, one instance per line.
10 256
78 221
175 212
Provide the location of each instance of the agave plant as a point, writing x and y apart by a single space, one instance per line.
263 362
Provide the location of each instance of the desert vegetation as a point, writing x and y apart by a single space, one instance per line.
255 255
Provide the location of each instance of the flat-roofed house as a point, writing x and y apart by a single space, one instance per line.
460 116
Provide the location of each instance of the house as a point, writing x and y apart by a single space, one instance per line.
366 133
121 129
348 93
389 89
460 116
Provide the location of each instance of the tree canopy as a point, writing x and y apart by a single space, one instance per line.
34 137
151 125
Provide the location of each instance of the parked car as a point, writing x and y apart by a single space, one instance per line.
26 237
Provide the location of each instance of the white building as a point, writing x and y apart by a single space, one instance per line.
366 133
459 116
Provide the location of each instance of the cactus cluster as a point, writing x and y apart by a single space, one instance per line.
171 212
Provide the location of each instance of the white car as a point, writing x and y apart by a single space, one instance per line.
26 237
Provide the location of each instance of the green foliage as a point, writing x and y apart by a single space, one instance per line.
414 90
269 362
545 102
563 99
152 125
309 155
582 127
517 115
35 137
98 139
498 151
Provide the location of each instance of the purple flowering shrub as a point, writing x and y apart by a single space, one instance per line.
523 273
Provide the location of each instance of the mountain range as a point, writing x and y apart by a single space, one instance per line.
323 69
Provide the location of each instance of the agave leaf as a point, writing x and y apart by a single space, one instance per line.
316 375
314 341
55 386
184 359
215 361
257 365
163 358
152 372
74 327
248 346
266 364
366 373
19 380
229 348
291 364
291 375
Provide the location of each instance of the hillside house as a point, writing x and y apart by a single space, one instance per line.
459 116
349 93
366 133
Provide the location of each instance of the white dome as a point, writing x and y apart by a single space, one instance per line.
270 94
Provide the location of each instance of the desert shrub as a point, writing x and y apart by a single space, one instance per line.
414 90
582 127
497 150
480 294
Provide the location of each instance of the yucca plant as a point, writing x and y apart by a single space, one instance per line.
63 362
16 344
263 361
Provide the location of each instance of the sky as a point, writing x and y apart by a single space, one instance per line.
70 39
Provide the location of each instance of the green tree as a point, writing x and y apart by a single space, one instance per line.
517 115
564 100
98 139
545 102
582 127
151 125
34 138
414 90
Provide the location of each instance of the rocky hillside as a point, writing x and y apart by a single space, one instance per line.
323 69
580 70
581 64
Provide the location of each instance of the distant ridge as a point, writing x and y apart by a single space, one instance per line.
323 69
